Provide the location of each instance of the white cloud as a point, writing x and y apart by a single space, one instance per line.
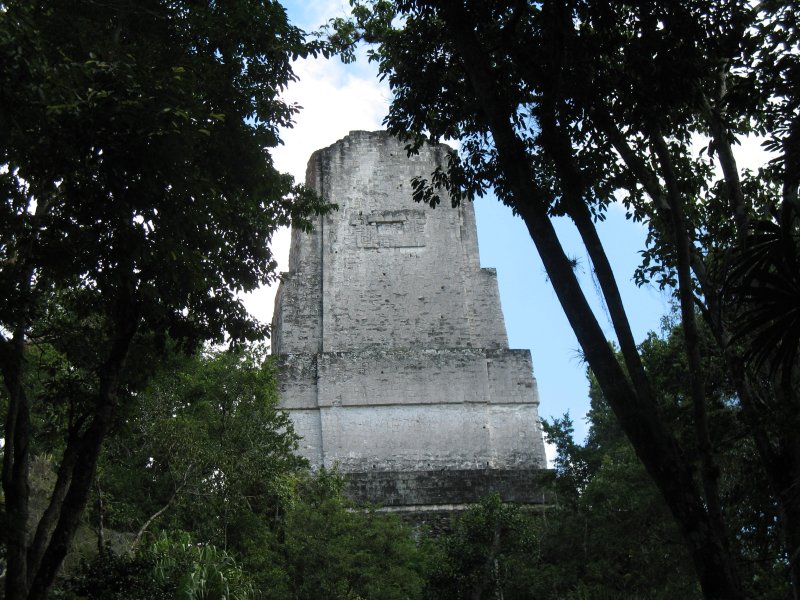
312 14
334 102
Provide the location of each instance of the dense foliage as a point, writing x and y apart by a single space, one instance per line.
604 490
199 494
207 452
282 533
137 202
561 108
203 450
175 515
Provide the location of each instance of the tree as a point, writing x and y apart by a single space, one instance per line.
166 568
612 534
334 550
486 555
138 199
562 106
204 450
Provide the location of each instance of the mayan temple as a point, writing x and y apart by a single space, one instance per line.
394 356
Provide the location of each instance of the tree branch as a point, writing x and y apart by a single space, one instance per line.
557 144
126 322
710 471
719 133
791 166
605 125
159 512
639 418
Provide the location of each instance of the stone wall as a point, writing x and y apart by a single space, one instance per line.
394 355
421 490
383 271
414 409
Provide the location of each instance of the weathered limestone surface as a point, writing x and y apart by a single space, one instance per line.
432 490
394 355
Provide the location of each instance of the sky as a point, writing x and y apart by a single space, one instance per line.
337 98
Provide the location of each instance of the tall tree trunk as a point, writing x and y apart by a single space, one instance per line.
727 160
638 418
788 464
570 177
556 143
16 452
16 464
48 519
32 567
682 244
87 448
783 482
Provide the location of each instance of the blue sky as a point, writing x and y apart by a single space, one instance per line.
533 315
338 98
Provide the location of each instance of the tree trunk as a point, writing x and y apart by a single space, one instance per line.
16 464
727 162
782 482
87 447
569 177
48 520
789 508
32 567
682 244
638 417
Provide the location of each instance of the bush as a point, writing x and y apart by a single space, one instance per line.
172 567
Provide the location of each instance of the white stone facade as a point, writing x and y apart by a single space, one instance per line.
394 350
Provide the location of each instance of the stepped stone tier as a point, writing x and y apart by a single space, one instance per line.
394 360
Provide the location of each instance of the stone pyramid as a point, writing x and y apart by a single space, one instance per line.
394 359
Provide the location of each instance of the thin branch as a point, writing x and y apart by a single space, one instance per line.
710 471
557 144
159 512
730 171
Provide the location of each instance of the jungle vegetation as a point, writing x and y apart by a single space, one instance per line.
137 201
